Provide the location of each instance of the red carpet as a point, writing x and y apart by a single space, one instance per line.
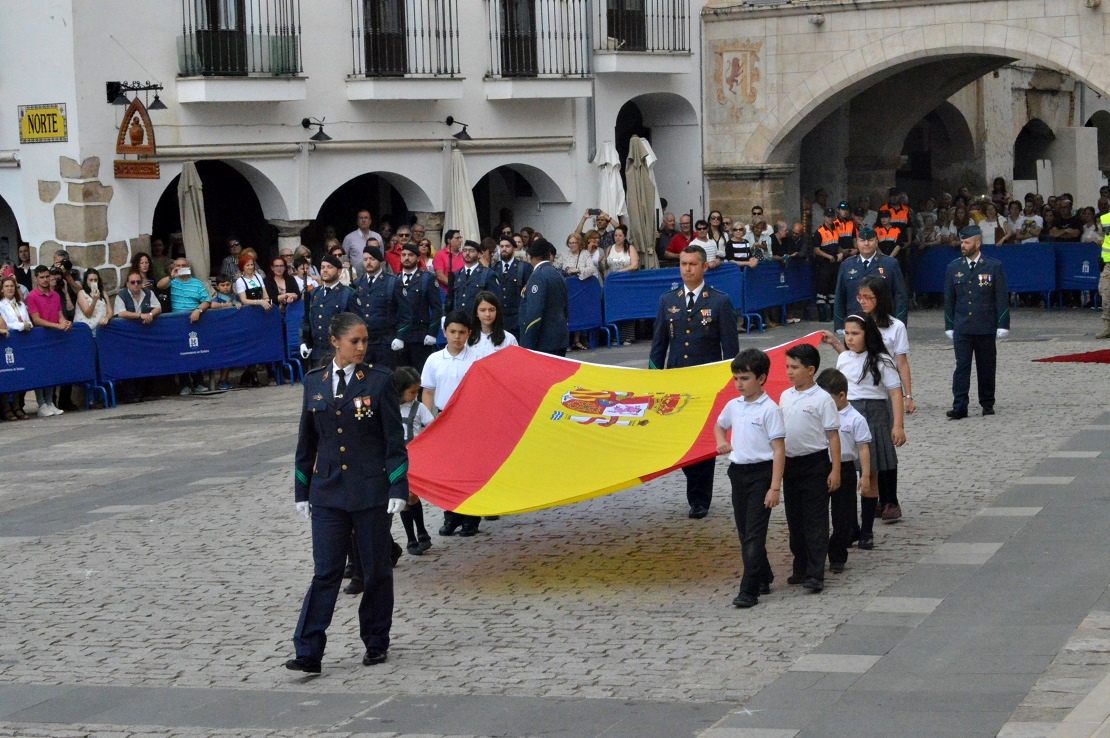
1090 357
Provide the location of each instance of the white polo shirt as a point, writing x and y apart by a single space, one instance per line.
895 339
443 373
853 432
808 416
862 386
754 425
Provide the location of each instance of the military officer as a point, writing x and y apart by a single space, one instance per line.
349 477
383 308
868 262
976 314
512 274
425 308
467 282
694 325
321 305
544 308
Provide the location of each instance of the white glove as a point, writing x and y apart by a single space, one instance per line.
1002 332
397 344
305 351
395 506
304 509
429 340
949 334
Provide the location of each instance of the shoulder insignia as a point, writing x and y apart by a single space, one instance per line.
359 375
705 294
325 376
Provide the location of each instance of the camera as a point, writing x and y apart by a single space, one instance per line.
66 265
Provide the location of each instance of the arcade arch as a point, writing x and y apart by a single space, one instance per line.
1031 144
390 197
507 193
1101 121
669 122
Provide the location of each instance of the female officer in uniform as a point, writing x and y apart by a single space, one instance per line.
350 475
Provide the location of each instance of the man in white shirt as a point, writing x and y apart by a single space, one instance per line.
355 241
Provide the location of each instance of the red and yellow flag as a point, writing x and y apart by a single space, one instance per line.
525 431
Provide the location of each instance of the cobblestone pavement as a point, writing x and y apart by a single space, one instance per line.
192 576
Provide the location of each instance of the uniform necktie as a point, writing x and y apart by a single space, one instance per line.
408 278
866 263
689 300
342 386
971 265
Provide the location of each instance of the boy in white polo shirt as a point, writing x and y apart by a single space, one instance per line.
443 372
855 439
757 452
812 438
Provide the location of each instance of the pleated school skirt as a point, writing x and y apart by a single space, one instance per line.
877 413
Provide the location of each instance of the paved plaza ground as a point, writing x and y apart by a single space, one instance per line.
154 568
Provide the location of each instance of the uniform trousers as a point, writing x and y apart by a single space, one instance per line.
699 483
1104 291
985 351
331 530
842 506
414 355
750 483
805 496
379 353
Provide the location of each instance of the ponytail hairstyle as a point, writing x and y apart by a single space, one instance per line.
873 345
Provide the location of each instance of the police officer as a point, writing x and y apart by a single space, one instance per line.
868 262
467 282
976 313
544 307
349 478
694 325
826 261
321 305
425 308
512 274
383 308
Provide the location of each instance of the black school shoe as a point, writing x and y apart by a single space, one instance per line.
745 599
303 663
374 656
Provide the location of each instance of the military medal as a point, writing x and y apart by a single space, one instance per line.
362 408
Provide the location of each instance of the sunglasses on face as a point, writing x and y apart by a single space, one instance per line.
134 281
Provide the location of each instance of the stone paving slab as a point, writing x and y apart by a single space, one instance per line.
619 598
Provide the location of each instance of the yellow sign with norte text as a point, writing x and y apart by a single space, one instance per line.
42 123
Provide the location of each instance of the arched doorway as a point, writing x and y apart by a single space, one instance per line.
1101 121
670 124
938 154
9 233
372 191
1032 143
230 207
514 194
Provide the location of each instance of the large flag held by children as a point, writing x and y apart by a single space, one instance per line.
527 431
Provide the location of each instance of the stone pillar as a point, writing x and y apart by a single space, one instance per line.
289 232
735 189
433 226
872 176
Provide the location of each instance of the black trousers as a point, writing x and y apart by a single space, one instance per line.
699 483
984 349
806 499
750 483
414 355
380 354
331 530
842 506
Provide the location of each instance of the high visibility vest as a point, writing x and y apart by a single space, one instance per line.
1104 221
887 234
845 232
899 215
828 239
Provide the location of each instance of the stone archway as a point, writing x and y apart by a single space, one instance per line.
1031 144
938 154
509 191
670 124
1101 122
9 233
390 197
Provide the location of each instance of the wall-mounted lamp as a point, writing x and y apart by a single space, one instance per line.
117 93
461 135
817 19
319 135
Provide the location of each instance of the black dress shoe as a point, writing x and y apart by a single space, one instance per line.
349 571
795 578
988 411
765 588
956 414
303 663
697 512
448 529
425 542
355 587
414 549
866 542
374 656
836 567
813 584
745 599
468 530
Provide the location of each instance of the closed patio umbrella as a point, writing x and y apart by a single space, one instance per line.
610 195
643 200
461 215
194 228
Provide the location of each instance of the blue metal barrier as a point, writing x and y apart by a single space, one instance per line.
42 357
635 295
584 302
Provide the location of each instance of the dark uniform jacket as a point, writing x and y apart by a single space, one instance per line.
544 311
976 302
512 284
319 308
381 305
350 451
425 307
464 289
852 273
683 337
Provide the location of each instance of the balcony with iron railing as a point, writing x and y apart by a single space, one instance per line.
404 49
240 51
539 49
642 36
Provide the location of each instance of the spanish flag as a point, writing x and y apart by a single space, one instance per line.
525 431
